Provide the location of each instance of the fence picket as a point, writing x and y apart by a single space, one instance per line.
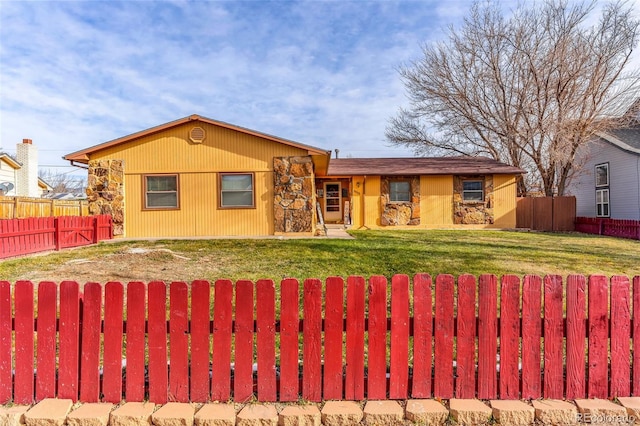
354 379
135 386
68 374
178 342
312 341
222 330
487 336
6 344
200 323
243 372
377 350
509 337
399 369
333 342
531 334
266 336
90 344
553 335
576 334
619 384
24 321
598 337
422 336
443 374
289 330
4 242
46 350
113 338
157 335
466 338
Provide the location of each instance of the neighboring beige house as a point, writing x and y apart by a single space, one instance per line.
19 175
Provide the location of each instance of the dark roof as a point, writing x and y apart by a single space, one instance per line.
629 135
419 166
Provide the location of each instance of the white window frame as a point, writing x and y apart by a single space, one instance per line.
601 202
604 166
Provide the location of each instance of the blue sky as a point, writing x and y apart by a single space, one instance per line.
323 73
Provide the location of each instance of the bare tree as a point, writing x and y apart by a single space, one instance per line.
528 89
62 182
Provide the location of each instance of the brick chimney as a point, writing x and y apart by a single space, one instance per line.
27 175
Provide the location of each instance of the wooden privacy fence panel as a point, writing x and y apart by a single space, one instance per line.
23 207
546 213
612 227
334 340
23 236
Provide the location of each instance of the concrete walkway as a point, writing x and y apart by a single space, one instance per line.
337 231
60 412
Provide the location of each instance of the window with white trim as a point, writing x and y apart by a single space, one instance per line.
602 190
161 192
602 203
602 175
236 191
473 190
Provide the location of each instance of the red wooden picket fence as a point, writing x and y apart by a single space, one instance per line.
471 337
612 227
35 234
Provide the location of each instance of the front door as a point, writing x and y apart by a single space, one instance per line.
332 202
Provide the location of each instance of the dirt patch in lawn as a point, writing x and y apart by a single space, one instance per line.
132 264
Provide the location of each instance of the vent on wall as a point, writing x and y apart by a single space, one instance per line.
197 135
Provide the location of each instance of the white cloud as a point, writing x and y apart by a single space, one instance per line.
74 74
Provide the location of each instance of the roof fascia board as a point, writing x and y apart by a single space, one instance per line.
617 142
10 161
83 155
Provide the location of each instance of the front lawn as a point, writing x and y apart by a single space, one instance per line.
370 253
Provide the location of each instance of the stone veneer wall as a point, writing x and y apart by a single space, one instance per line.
105 191
400 213
294 194
473 213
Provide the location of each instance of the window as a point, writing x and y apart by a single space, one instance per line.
472 190
236 190
602 175
400 190
160 191
602 203
602 190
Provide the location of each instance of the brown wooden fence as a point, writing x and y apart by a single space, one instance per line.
485 337
21 207
35 234
546 213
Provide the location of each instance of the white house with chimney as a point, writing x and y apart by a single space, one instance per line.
19 174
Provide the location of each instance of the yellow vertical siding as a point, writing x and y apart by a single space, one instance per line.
198 165
371 201
357 197
504 196
436 200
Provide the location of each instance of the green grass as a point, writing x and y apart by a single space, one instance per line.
370 253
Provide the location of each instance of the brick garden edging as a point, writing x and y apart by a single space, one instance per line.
59 412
